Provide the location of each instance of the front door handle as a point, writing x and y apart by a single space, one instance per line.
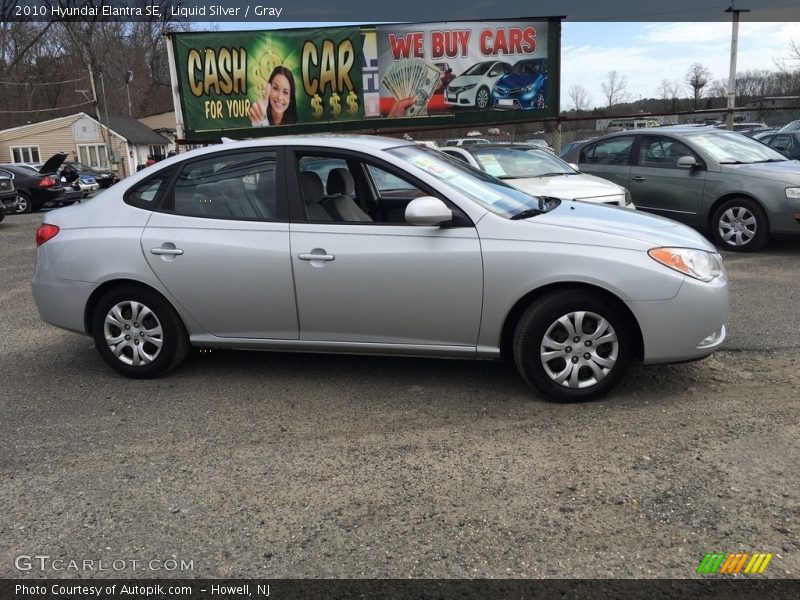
310 256
638 178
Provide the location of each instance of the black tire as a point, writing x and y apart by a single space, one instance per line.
540 322
2 216
24 205
740 225
175 342
482 98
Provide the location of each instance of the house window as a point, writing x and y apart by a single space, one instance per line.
158 152
25 154
94 155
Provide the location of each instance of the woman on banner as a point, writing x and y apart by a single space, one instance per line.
278 106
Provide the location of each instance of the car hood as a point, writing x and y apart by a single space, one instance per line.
53 163
568 187
622 222
787 170
517 81
463 80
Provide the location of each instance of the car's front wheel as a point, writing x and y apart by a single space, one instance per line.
739 224
482 99
572 345
138 333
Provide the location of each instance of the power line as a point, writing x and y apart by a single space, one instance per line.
15 112
45 83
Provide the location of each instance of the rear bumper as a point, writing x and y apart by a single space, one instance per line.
60 302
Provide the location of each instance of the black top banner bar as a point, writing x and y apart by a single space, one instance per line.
348 11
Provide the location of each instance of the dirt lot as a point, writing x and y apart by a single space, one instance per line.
281 465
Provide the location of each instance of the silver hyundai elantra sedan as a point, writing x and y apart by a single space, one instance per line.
371 245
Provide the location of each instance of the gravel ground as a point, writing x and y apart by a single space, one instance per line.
282 465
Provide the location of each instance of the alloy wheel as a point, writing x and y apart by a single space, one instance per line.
133 333
579 349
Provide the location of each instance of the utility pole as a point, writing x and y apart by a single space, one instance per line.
128 79
732 76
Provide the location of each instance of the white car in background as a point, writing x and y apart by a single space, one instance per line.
540 173
474 86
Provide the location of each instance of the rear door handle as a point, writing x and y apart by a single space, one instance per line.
638 178
166 251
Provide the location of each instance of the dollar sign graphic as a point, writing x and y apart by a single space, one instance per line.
352 102
316 105
336 106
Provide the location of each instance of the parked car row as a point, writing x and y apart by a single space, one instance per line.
37 185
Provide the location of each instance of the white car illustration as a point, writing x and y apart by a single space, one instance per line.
473 87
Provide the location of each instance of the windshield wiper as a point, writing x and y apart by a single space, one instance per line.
772 160
553 174
733 162
527 213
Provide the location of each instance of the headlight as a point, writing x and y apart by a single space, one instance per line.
702 265
793 192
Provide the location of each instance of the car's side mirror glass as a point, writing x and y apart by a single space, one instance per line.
493 73
686 162
574 166
427 210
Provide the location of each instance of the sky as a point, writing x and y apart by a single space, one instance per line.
647 53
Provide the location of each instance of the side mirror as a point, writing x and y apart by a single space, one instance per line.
493 73
427 210
686 162
574 166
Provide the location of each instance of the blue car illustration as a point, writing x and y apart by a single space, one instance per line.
524 87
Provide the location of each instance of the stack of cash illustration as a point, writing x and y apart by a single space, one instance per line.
412 77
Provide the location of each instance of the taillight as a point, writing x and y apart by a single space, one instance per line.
45 232
46 182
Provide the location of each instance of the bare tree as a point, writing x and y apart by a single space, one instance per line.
614 88
697 77
580 97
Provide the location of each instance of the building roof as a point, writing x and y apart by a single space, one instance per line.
134 131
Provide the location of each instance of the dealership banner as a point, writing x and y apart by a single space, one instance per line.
453 67
260 79
371 77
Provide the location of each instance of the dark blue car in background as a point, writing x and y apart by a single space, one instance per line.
524 87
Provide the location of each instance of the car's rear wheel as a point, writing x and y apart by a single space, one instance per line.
572 345
740 225
24 204
138 333
482 98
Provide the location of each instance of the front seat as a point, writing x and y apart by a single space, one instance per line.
341 197
313 194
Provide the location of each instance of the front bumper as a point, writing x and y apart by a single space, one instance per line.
687 327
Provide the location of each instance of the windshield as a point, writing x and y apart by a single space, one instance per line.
518 163
734 148
483 189
478 69
526 66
